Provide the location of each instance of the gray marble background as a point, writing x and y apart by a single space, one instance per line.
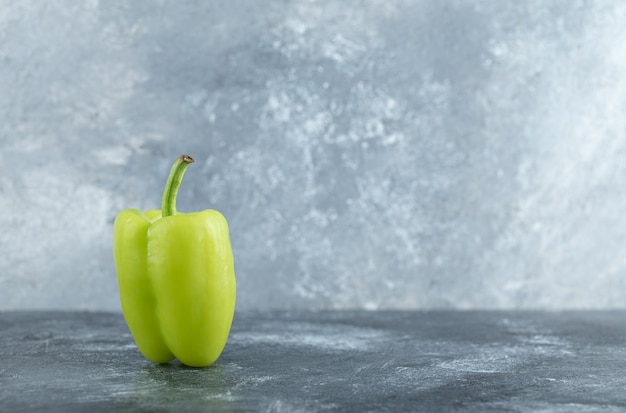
367 154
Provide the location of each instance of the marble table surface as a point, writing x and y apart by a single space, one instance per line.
434 361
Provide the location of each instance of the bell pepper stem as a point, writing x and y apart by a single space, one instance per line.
168 204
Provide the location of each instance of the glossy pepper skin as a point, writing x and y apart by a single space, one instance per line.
176 279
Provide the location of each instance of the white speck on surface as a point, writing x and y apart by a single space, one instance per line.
339 338
113 156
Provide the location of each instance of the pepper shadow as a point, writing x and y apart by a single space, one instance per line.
176 387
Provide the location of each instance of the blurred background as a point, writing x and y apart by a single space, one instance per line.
367 154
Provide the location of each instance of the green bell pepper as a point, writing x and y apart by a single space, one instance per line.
176 278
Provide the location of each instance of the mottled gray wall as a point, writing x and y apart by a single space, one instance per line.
370 154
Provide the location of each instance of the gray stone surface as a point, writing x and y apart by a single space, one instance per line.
367 154
325 361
